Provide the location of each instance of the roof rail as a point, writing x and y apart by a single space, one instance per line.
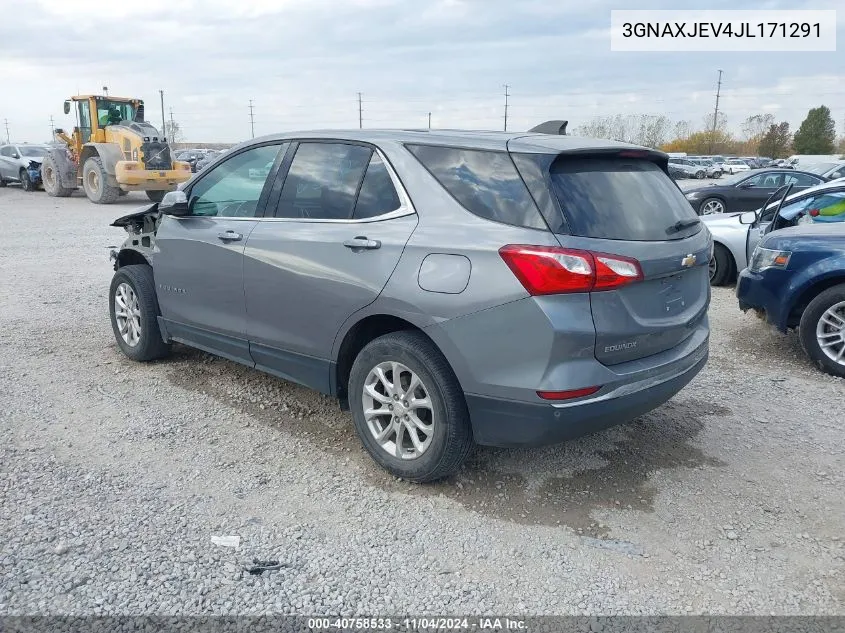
551 127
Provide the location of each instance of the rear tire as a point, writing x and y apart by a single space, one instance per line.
96 183
52 179
721 266
444 427
155 196
135 320
819 324
701 175
712 205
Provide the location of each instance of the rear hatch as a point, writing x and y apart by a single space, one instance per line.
624 204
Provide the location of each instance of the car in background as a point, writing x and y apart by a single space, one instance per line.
686 168
735 235
745 192
21 163
796 280
710 168
830 170
782 163
579 303
192 157
206 160
734 166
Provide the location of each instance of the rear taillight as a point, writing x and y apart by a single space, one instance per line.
548 270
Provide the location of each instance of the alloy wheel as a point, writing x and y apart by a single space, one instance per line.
127 313
398 410
711 207
830 332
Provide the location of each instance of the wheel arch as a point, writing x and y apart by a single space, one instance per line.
717 243
356 335
129 257
803 297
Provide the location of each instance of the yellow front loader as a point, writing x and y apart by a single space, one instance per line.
112 151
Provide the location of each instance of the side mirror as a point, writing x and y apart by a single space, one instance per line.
15 155
67 107
749 217
174 203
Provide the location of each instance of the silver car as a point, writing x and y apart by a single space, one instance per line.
15 161
735 235
450 288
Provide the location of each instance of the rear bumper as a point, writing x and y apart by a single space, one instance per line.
132 179
508 423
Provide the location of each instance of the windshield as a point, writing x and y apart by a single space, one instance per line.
33 151
621 199
820 168
113 112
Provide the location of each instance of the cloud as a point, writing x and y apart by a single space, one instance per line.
304 61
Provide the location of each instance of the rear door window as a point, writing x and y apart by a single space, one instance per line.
377 195
621 199
485 183
323 181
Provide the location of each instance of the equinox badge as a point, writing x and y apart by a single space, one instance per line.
688 261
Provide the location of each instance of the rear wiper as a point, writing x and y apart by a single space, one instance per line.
680 225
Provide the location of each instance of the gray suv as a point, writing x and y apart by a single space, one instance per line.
450 288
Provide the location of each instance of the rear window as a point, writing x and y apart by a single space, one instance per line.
621 199
486 183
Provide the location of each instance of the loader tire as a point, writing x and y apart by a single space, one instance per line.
52 179
96 183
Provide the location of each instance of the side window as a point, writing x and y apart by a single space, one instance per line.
322 181
232 189
754 181
485 183
377 195
792 210
6 150
801 180
84 120
771 181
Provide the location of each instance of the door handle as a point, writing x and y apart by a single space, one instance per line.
362 243
229 236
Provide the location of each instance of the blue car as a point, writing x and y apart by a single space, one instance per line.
796 279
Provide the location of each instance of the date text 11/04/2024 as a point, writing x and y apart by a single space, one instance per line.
417 624
721 29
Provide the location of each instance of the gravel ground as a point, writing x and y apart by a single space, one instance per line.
116 476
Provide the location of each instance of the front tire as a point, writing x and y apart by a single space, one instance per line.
52 179
95 181
134 311
155 196
408 407
701 175
26 181
822 330
721 266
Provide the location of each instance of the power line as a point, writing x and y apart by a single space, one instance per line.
716 111
251 118
506 107
360 113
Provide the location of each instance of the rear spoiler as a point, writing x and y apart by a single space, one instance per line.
551 127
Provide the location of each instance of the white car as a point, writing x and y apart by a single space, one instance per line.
735 166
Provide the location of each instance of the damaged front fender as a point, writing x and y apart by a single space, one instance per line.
139 246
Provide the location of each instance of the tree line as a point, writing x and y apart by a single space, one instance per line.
762 134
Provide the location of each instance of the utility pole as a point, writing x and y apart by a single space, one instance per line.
251 118
6 122
429 120
360 113
163 124
716 111
172 126
52 127
506 106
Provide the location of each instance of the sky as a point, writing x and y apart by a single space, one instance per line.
303 63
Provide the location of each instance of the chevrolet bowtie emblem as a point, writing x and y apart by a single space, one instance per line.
688 261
